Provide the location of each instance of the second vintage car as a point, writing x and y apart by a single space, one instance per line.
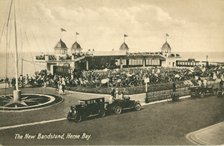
201 92
119 105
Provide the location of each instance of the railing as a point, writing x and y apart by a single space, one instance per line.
67 57
40 57
51 58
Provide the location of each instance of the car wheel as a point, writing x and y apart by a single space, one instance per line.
138 107
78 118
102 113
69 117
117 110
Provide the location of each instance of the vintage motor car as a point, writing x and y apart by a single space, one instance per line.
201 91
87 108
119 105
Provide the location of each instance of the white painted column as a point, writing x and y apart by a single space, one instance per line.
87 65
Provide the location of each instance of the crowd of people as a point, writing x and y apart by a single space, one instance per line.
116 78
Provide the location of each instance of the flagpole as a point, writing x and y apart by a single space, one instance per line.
16 92
166 36
16 51
125 36
62 29
76 37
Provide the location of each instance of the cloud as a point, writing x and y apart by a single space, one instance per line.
43 11
107 25
102 27
117 18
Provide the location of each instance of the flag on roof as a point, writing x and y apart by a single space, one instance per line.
167 34
125 35
77 33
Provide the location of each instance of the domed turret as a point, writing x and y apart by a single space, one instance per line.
60 47
124 46
166 48
76 48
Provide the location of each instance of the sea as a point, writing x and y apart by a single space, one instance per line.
30 66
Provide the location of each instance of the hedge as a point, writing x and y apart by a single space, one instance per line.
129 90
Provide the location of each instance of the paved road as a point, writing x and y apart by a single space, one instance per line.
164 123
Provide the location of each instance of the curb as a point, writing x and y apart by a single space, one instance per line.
165 100
31 124
193 138
70 91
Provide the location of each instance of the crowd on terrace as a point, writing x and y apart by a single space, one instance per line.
127 77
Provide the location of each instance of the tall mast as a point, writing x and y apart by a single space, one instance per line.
16 52
7 40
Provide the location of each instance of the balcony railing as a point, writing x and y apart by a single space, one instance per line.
67 57
40 57
52 58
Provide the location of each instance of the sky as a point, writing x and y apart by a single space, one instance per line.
192 25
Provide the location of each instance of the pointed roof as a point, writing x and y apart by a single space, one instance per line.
76 46
124 46
166 46
60 45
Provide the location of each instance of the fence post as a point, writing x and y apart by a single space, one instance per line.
146 87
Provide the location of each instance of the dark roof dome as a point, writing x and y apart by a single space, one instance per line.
124 46
166 46
60 45
76 46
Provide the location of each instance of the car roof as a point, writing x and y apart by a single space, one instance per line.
91 99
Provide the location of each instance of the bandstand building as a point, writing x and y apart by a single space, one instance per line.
65 60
